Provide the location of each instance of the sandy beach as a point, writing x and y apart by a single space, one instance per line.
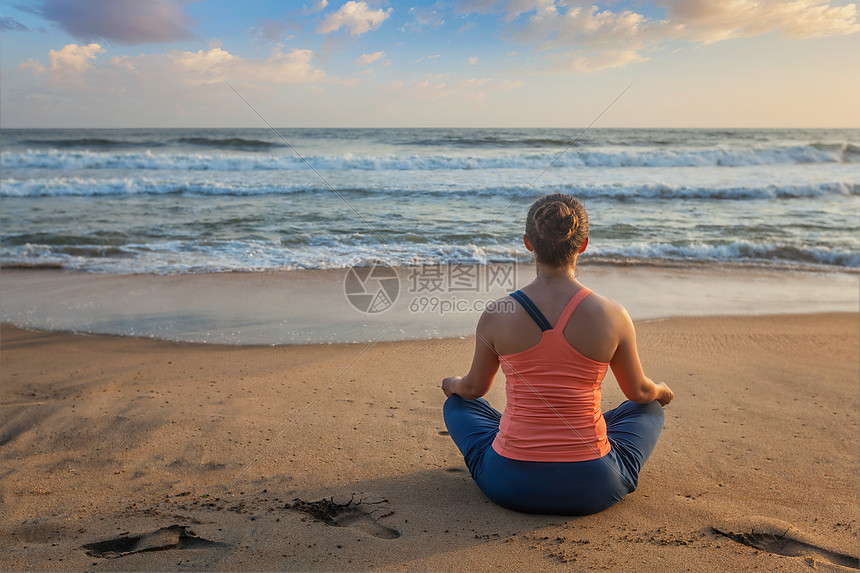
243 243
122 453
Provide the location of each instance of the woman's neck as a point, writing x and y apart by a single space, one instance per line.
549 274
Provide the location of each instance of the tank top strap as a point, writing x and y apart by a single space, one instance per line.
531 308
571 306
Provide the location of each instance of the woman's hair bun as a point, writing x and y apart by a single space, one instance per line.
557 228
555 221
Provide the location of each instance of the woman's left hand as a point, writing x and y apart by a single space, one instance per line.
448 385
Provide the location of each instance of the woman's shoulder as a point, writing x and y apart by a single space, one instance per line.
604 302
505 304
596 327
604 308
496 314
503 312
498 320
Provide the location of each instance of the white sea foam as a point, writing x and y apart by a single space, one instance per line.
176 257
674 157
66 186
751 251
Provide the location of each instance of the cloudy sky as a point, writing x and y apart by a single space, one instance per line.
322 63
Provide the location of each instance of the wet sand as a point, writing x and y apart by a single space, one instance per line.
123 453
431 302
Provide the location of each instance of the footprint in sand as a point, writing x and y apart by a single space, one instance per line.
785 544
350 514
172 537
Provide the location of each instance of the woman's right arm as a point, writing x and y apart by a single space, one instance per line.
627 368
485 363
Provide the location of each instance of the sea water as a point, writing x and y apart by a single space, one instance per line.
169 201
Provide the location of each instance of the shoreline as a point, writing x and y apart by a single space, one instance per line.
433 302
585 261
364 343
104 438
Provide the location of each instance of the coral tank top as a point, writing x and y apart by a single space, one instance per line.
553 410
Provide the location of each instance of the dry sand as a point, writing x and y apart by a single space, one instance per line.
192 457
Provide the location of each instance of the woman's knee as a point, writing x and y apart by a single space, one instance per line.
631 410
654 409
479 408
650 418
451 403
450 409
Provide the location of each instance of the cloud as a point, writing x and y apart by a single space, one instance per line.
512 9
70 58
601 30
710 22
357 17
587 38
293 67
577 38
10 24
273 29
128 22
465 28
72 67
317 6
577 61
423 18
435 89
367 59
216 65
474 61
203 62
506 85
40 99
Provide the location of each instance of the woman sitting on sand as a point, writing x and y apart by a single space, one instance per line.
553 451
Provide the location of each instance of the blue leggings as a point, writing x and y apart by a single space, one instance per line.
561 488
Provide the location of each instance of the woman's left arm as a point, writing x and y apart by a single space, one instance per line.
485 364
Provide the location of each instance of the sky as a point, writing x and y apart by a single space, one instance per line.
457 63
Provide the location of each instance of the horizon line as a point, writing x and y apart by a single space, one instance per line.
441 127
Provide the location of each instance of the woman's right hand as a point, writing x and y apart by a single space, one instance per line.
448 385
665 395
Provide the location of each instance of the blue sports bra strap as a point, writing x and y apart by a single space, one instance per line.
533 311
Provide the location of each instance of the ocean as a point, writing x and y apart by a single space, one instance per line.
176 201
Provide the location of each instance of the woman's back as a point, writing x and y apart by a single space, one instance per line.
592 328
553 396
